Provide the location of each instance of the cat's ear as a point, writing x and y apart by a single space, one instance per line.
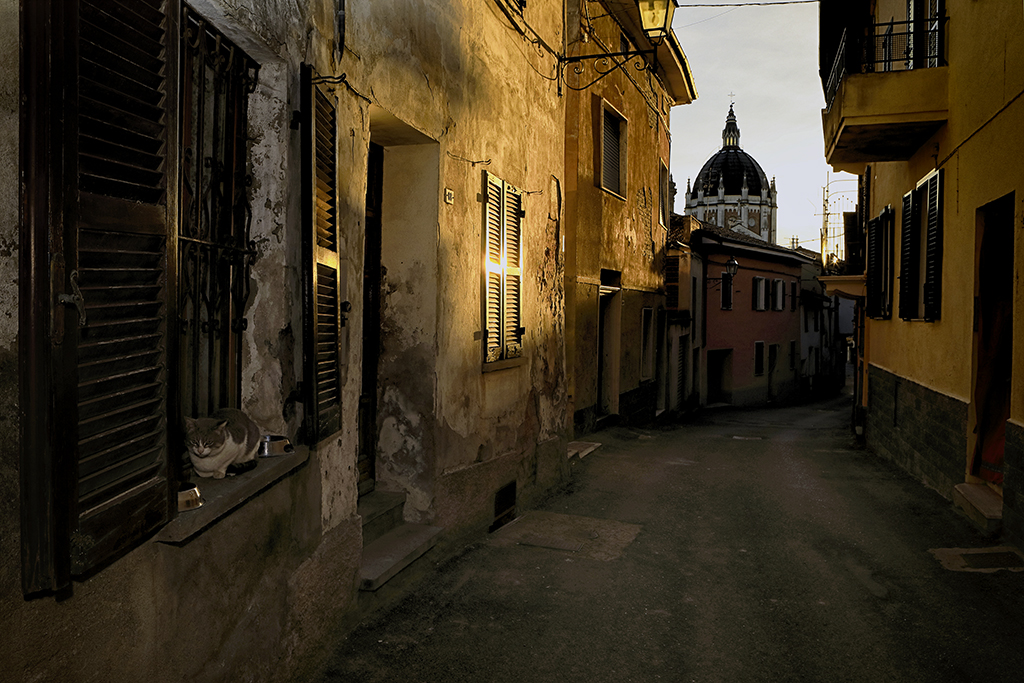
190 423
222 424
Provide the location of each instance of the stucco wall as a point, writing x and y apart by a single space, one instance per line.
617 232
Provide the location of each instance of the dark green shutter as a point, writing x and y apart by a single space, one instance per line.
610 157
874 269
323 274
933 249
672 283
909 245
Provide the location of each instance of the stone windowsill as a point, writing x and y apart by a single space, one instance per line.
221 496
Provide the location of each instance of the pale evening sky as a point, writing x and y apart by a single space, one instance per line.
767 56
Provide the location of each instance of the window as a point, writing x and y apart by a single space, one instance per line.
759 294
778 295
726 291
793 354
880 266
613 152
664 200
921 251
759 358
647 343
214 251
324 276
672 301
794 294
773 356
503 274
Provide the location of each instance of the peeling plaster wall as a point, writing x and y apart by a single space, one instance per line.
252 595
459 74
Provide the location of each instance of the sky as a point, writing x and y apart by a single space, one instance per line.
767 57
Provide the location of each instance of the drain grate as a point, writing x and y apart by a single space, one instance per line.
994 560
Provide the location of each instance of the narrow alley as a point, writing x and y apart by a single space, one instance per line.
756 545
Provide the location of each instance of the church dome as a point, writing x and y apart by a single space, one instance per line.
730 165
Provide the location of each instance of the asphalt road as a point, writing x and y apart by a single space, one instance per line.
744 546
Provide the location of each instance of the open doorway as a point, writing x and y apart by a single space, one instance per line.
609 337
993 344
719 376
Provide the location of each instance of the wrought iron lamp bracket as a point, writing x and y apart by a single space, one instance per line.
604 64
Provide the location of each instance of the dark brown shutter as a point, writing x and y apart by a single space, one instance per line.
512 323
493 301
672 283
909 245
102 482
933 249
874 269
726 291
323 274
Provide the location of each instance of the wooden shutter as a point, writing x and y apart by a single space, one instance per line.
513 228
933 249
726 291
98 381
610 156
493 301
874 269
672 283
323 271
909 245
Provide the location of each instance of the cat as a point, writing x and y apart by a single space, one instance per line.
224 443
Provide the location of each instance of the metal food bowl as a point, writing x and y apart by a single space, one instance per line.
273 444
188 497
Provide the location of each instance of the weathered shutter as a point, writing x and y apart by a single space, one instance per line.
100 381
513 330
610 157
726 291
323 272
909 241
672 283
874 269
492 269
794 295
933 249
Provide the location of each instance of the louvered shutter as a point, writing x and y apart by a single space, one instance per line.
102 482
610 157
672 283
324 274
933 249
512 324
909 241
874 269
726 291
493 300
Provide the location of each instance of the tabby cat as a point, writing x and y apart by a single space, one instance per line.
224 443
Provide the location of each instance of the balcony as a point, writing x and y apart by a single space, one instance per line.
886 94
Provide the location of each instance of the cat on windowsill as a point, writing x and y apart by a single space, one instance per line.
223 443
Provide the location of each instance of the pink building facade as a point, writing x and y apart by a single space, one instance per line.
752 320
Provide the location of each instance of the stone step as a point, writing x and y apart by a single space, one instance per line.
981 504
384 557
381 512
581 449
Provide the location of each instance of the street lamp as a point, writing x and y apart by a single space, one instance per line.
656 17
732 266
656 23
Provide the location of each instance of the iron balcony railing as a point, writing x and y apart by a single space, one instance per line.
891 46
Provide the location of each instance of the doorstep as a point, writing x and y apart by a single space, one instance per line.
981 504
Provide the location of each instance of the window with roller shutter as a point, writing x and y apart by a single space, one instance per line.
503 273
97 306
324 300
613 151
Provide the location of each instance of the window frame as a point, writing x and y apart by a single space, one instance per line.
663 195
609 113
759 293
647 343
778 294
502 283
759 350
